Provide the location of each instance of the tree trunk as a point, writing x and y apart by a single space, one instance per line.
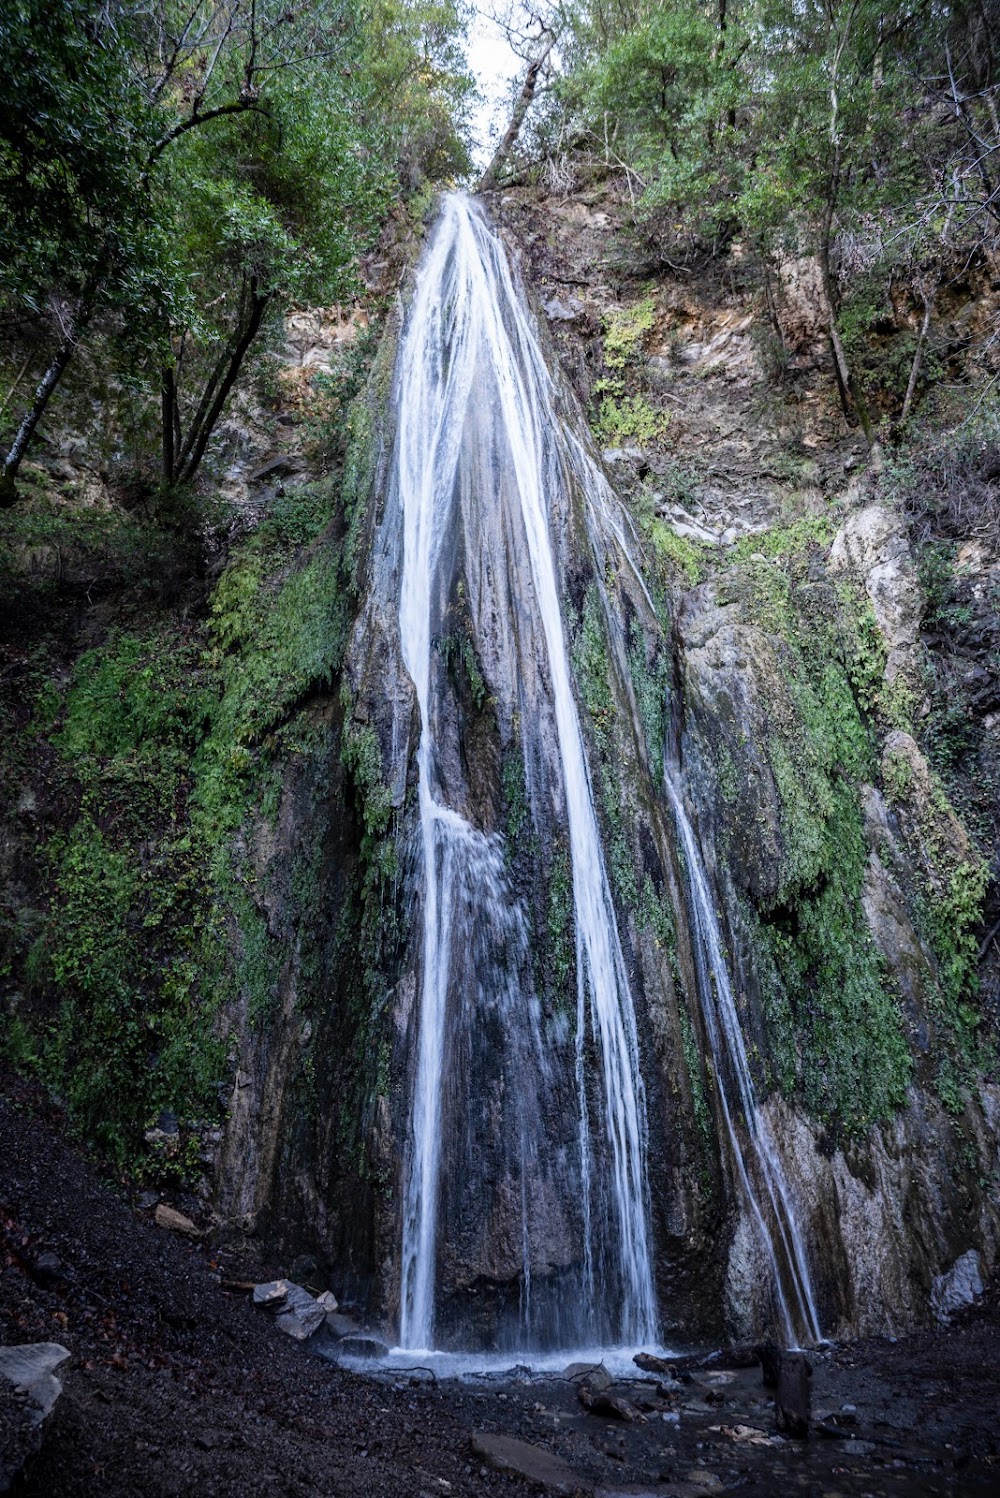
168 397
491 176
219 385
43 393
918 356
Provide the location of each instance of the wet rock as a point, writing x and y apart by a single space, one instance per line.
769 1357
302 1267
271 1296
792 1398
339 1326
742 1355
633 456
165 1142
611 1406
594 1375
961 1286
563 309
650 1363
29 1391
47 1271
363 1346
328 1301
300 1315
175 1222
533 1463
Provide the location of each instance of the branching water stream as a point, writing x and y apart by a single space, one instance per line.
475 398
751 1146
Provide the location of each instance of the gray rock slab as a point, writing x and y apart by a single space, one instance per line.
29 1390
31 1370
339 1326
534 1463
301 1314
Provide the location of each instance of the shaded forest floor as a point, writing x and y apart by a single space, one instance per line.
178 1387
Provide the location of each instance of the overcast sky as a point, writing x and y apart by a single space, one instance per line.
495 67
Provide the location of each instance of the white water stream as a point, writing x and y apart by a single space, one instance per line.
470 363
759 1168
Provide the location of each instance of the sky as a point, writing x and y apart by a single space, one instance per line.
495 67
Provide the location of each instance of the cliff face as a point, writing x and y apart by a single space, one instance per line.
816 668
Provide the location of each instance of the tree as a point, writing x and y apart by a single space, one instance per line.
232 146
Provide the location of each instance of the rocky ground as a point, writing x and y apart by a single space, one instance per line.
177 1386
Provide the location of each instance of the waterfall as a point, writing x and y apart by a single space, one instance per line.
758 1166
481 450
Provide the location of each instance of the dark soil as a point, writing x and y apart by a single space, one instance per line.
177 1386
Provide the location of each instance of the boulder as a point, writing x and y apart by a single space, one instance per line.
959 1287
271 1296
175 1222
339 1326
300 1315
328 1301
594 1375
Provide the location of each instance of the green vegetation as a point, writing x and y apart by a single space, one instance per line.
625 417
165 743
560 929
172 181
791 130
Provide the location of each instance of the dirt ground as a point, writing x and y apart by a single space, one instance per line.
177 1386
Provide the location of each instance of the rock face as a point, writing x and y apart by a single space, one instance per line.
873 546
768 690
29 1390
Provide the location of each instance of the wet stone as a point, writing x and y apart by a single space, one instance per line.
362 1347
594 1375
534 1463
271 1296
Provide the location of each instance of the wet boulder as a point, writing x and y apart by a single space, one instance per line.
301 1314
961 1286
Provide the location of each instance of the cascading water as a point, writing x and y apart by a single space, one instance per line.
758 1165
481 462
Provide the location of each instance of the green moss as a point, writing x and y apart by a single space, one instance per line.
624 418
656 915
625 330
362 757
680 553
167 744
616 759
814 953
699 1097
515 795
795 537
560 927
